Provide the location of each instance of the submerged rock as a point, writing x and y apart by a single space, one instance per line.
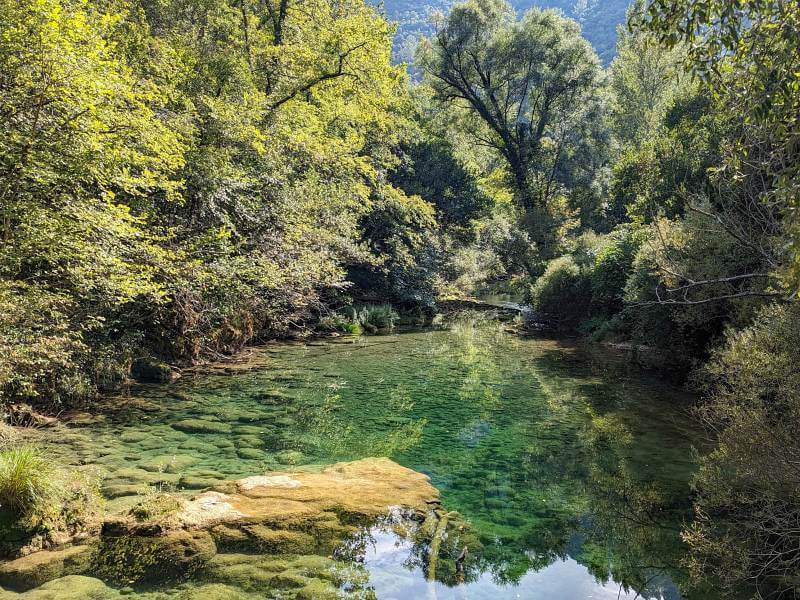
40 567
201 426
148 555
72 587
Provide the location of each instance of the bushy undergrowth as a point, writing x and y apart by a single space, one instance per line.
748 488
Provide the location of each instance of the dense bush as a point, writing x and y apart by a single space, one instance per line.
609 273
563 291
748 503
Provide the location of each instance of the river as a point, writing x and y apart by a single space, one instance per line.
571 468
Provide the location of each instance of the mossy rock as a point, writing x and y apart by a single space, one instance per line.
194 482
72 587
290 457
122 490
252 454
317 589
276 541
201 426
170 463
40 567
214 591
198 446
137 559
250 429
245 571
249 441
134 436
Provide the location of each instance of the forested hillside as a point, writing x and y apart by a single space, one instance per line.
598 18
181 179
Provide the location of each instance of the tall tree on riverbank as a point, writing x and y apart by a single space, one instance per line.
532 88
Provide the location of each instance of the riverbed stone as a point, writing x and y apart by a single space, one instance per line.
252 454
214 591
72 587
169 463
290 457
134 436
201 426
198 446
146 554
249 441
116 490
249 429
195 482
35 569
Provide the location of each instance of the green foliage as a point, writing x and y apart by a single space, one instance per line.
338 323
546 129
25 481
179 183
610 270
400 233
749 488
430 170
374 317
745 52
563 291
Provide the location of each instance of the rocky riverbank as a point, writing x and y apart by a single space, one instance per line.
280 529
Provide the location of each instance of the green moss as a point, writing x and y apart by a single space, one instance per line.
133 559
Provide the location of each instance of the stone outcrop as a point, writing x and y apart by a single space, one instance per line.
40 567
277 514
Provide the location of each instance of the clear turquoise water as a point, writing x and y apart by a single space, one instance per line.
571 469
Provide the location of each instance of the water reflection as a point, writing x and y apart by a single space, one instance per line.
564 481
557 470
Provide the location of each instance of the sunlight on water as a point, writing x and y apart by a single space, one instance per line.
570 470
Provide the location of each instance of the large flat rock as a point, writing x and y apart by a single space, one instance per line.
367 488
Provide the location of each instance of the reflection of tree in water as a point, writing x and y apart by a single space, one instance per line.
327 432
540 462
526 473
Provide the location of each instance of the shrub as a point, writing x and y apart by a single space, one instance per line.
563 291
374 317
748 489
610 272
25 481
340 324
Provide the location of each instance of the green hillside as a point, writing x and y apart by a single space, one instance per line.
599 19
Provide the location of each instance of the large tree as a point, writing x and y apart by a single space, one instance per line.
533 84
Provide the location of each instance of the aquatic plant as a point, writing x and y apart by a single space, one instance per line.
340 324
374 317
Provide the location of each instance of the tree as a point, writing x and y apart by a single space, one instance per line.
746 52
532 84
644 80
431 171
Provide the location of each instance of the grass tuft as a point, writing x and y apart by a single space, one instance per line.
25 481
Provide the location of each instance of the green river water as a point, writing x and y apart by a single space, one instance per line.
572 469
